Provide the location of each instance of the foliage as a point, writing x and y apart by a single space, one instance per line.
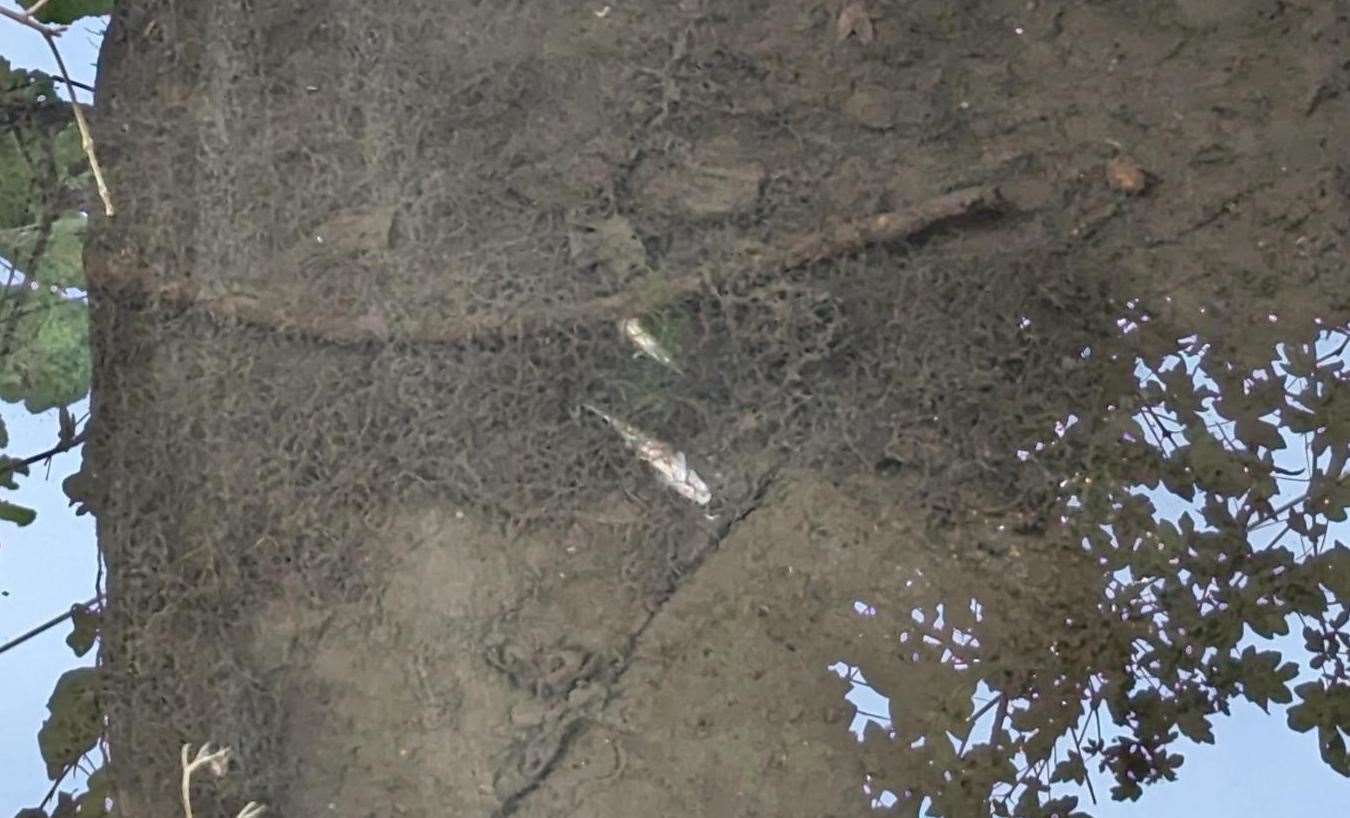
44 180
8 511
84 631
75 723
48 366
58 250
1157 641
44 348
65 12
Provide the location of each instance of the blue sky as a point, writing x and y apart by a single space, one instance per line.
1258 767
79 48
44 567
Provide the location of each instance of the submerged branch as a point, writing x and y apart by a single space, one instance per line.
296 312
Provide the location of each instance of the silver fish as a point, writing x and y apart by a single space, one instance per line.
632 329
671 465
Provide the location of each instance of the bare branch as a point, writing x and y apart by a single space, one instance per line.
27 19
66 446
218 761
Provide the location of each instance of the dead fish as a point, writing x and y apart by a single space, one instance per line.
632 329
670 464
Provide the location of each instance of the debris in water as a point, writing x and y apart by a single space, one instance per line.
662 457
1126 176
855 21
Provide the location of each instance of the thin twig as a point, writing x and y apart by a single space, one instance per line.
1336 354
46 219
999 716
74 442
65 771
219 762
1087 776
32 11
1276 512
23 18
86 137
81 86
979 714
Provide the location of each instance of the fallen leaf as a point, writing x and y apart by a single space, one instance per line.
1126 176
853 20
610 241
873 106
357 230
373 322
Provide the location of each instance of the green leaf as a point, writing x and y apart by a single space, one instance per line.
1215 468
76 720
49 365
16 185
10 466
1333 571
1299 421
65 806
1332 745
1071 769
1193 724
1301 358
80 487
61 263
1267 621
1327 709
66 435
92 802
1264 678
1302 718
71 161
1126 791
1256 432
35 160
18 515
4 434
1302 594
84 631
65 12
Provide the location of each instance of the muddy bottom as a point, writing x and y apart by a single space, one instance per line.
457 591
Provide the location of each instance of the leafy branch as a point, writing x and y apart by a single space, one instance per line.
40 16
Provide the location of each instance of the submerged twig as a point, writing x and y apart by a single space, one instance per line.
295 310
853 235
